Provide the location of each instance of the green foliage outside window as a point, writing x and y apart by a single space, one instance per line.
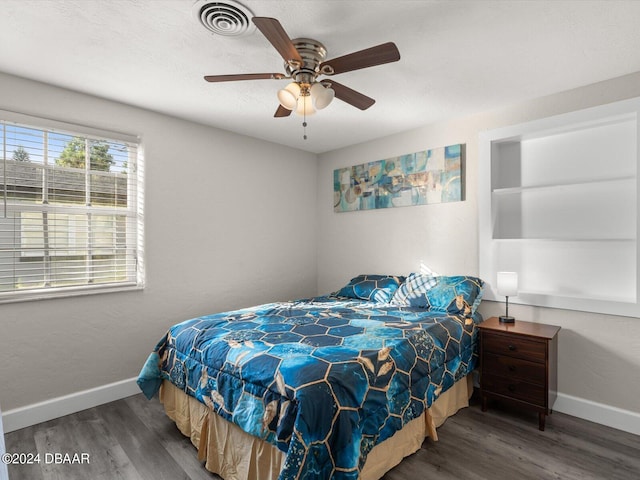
21 155
74 155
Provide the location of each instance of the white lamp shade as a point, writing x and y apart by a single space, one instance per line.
288 96
321 95
305 106
507 284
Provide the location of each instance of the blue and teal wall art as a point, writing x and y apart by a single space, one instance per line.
420 178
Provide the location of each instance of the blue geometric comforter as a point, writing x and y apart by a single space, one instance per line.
323 379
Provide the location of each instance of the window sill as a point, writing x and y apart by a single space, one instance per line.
65 292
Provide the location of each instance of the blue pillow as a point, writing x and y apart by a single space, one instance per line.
456 295
375 288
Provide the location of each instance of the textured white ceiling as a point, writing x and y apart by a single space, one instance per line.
458 57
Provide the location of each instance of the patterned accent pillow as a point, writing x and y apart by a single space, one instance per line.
375 288
413 289
457 295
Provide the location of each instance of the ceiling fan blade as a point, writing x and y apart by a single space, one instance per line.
273 31
369 57
245 76
352 97
282 112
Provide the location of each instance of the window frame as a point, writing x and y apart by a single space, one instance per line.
132 213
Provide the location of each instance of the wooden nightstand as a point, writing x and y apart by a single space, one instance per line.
519 363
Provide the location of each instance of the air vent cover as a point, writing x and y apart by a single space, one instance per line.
228 18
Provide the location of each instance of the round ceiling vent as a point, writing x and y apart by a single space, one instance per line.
228 18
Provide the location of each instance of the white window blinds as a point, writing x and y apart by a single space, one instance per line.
70 212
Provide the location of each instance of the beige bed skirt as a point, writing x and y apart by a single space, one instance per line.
235 455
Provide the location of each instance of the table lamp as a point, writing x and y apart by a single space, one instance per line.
508 287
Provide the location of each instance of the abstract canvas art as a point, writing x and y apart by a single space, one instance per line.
420 178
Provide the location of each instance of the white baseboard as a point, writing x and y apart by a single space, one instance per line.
59 407
614 417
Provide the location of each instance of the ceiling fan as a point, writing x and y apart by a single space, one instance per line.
304 62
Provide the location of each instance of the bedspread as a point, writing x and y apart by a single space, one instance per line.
324 379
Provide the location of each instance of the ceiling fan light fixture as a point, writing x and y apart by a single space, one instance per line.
288 96
321 95
304 61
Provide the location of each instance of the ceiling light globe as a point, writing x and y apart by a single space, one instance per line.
305 106
288 96
321 95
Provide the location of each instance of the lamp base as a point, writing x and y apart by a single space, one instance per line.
506 319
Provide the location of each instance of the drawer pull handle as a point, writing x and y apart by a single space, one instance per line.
512 347
512 368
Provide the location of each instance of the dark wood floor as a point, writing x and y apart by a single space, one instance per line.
132 439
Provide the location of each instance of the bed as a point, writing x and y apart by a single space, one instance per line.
340 386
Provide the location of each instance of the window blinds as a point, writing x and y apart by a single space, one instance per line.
70 216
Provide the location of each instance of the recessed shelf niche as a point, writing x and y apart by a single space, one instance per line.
559 205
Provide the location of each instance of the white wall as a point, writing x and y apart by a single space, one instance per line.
230 222
599 356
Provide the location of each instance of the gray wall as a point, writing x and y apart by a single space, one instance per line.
599 355
230 222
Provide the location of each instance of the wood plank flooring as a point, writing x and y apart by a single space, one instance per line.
132 439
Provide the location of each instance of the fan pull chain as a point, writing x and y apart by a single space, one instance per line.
304 119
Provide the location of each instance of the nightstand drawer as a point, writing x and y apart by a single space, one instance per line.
514 368
528 392
514 346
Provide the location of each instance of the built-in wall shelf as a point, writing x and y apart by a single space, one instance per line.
563 186
566 240
558 201
571 295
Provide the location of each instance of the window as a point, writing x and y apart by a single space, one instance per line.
559 205
70 209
